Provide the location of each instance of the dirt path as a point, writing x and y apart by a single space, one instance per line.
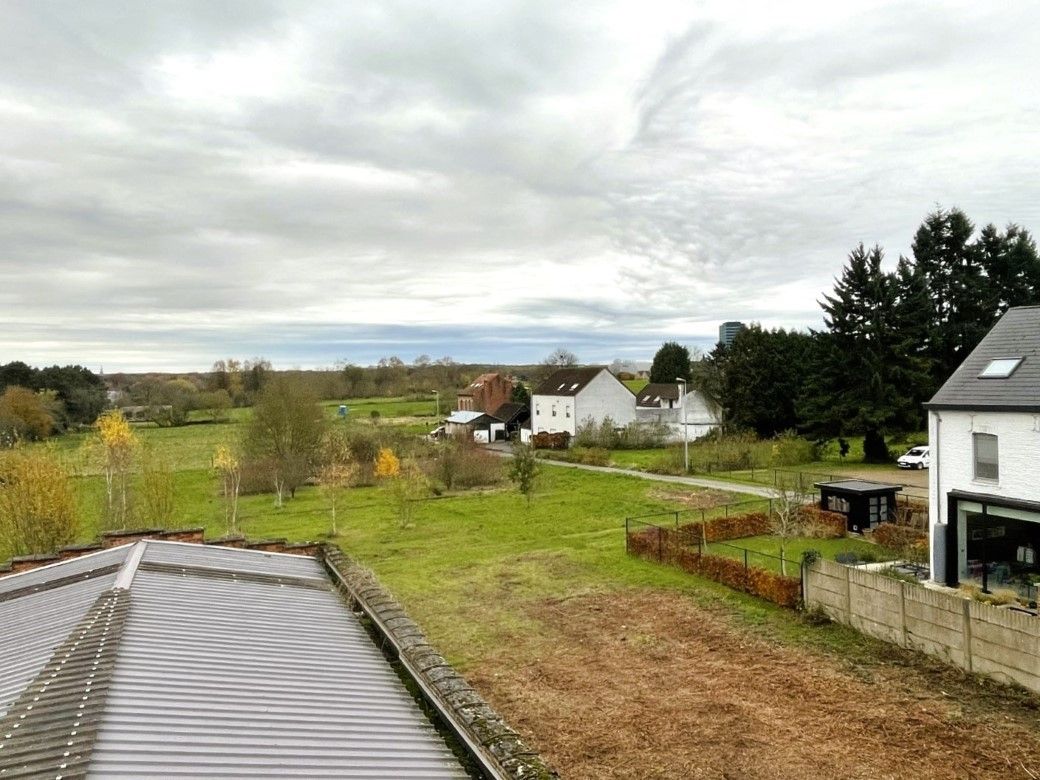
649 685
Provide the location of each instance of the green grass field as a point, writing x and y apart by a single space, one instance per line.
469 562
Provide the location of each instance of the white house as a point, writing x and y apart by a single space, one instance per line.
572 395
984 480
663 403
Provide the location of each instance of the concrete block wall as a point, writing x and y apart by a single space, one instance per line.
976 637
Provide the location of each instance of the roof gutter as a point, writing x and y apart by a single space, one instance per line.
498 751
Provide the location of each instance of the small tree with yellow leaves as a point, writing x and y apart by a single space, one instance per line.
156 488
229 469
387 464
118 444
37 503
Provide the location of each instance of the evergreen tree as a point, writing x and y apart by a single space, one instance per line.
672 361
863 373
948 261
763 379
1012 269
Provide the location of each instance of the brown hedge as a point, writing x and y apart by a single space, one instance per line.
897 537
672 547
721 529
551 441
822 524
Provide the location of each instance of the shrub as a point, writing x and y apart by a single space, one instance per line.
641 436
789 449
667 546
900 538
551 441
721 529
819 523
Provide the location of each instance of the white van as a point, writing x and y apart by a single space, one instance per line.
916 458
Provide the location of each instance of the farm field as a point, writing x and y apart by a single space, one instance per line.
539 605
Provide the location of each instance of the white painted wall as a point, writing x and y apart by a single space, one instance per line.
953 463
701 417
604 396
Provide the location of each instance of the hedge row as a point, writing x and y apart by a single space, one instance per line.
721 529
822 524
667 546
551 441
897 537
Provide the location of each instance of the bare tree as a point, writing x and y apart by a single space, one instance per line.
785 519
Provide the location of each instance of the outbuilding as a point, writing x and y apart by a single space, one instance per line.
476 425
865 504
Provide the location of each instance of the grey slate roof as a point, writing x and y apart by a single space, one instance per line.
568 381
208 662
1016 334
654 393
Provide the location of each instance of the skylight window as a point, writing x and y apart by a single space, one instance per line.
562 386
574 386
1000 368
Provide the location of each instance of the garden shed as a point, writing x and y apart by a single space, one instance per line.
865 504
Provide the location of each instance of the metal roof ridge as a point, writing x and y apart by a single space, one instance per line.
294 556
35 570
125 575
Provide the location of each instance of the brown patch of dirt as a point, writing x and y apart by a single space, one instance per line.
644 684
701 498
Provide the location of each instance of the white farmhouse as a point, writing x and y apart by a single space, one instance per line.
984 481
573 395
663 403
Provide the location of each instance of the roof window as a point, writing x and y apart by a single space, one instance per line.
574 386
1000 368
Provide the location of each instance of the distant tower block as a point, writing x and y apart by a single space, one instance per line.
728 331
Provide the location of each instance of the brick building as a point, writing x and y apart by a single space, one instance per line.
485 393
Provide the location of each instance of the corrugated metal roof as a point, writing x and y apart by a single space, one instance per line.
1016 335
64 569
230 663
32 626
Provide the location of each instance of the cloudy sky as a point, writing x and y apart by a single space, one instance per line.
314 181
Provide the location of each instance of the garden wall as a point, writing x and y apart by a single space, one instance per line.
974 636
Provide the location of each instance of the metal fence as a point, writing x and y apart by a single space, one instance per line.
701 514
751 558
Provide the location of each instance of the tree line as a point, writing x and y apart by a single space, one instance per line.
889 341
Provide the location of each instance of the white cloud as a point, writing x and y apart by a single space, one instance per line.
187 180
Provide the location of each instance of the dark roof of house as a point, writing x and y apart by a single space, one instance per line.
568 381
859 487
509 411
654 393
1016 335
181 659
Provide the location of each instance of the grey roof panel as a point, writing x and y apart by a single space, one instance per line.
223 678
34 625
230 559
1016 334
64 569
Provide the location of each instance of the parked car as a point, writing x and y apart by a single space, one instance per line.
915 458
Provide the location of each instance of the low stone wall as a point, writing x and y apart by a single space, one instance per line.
481 724
976 637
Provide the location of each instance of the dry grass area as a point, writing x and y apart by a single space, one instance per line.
647 684
701 498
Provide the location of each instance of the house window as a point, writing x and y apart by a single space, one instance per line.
567 410
986 462
554 411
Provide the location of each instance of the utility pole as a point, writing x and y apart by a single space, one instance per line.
437 396
685 438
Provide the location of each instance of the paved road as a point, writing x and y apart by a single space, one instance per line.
717 484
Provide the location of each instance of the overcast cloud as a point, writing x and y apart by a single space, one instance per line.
182 181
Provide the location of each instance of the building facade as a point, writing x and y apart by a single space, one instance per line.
570 396
984 431
663 403
728 331
485 393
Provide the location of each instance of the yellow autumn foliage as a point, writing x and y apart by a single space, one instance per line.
387 464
